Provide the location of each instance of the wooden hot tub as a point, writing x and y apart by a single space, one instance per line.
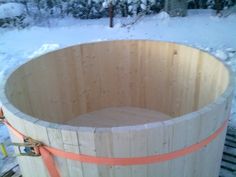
123 99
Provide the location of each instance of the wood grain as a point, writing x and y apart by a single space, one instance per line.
121 99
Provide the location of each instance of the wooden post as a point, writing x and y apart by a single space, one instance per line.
217 5
111 14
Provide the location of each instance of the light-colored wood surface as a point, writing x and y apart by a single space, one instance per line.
121 99
118 117
169 78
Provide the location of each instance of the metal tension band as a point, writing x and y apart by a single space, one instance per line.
30 147
2 117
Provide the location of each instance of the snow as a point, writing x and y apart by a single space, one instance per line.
143 6
130 8
44 49
201 29
105 4
221 54
10 10
162 16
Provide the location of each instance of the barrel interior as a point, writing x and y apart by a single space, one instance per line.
165 79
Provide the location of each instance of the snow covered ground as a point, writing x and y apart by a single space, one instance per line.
201 29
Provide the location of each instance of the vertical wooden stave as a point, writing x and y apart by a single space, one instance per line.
71 144
86 137
170 144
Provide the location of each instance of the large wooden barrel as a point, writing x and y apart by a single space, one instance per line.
122 99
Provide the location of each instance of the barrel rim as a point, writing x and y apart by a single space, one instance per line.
5 102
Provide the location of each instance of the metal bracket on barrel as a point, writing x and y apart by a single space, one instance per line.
2 118
30 147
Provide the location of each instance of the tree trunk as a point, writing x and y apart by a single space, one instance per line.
176 7
218 6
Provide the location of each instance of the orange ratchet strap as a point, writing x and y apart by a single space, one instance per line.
47 153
